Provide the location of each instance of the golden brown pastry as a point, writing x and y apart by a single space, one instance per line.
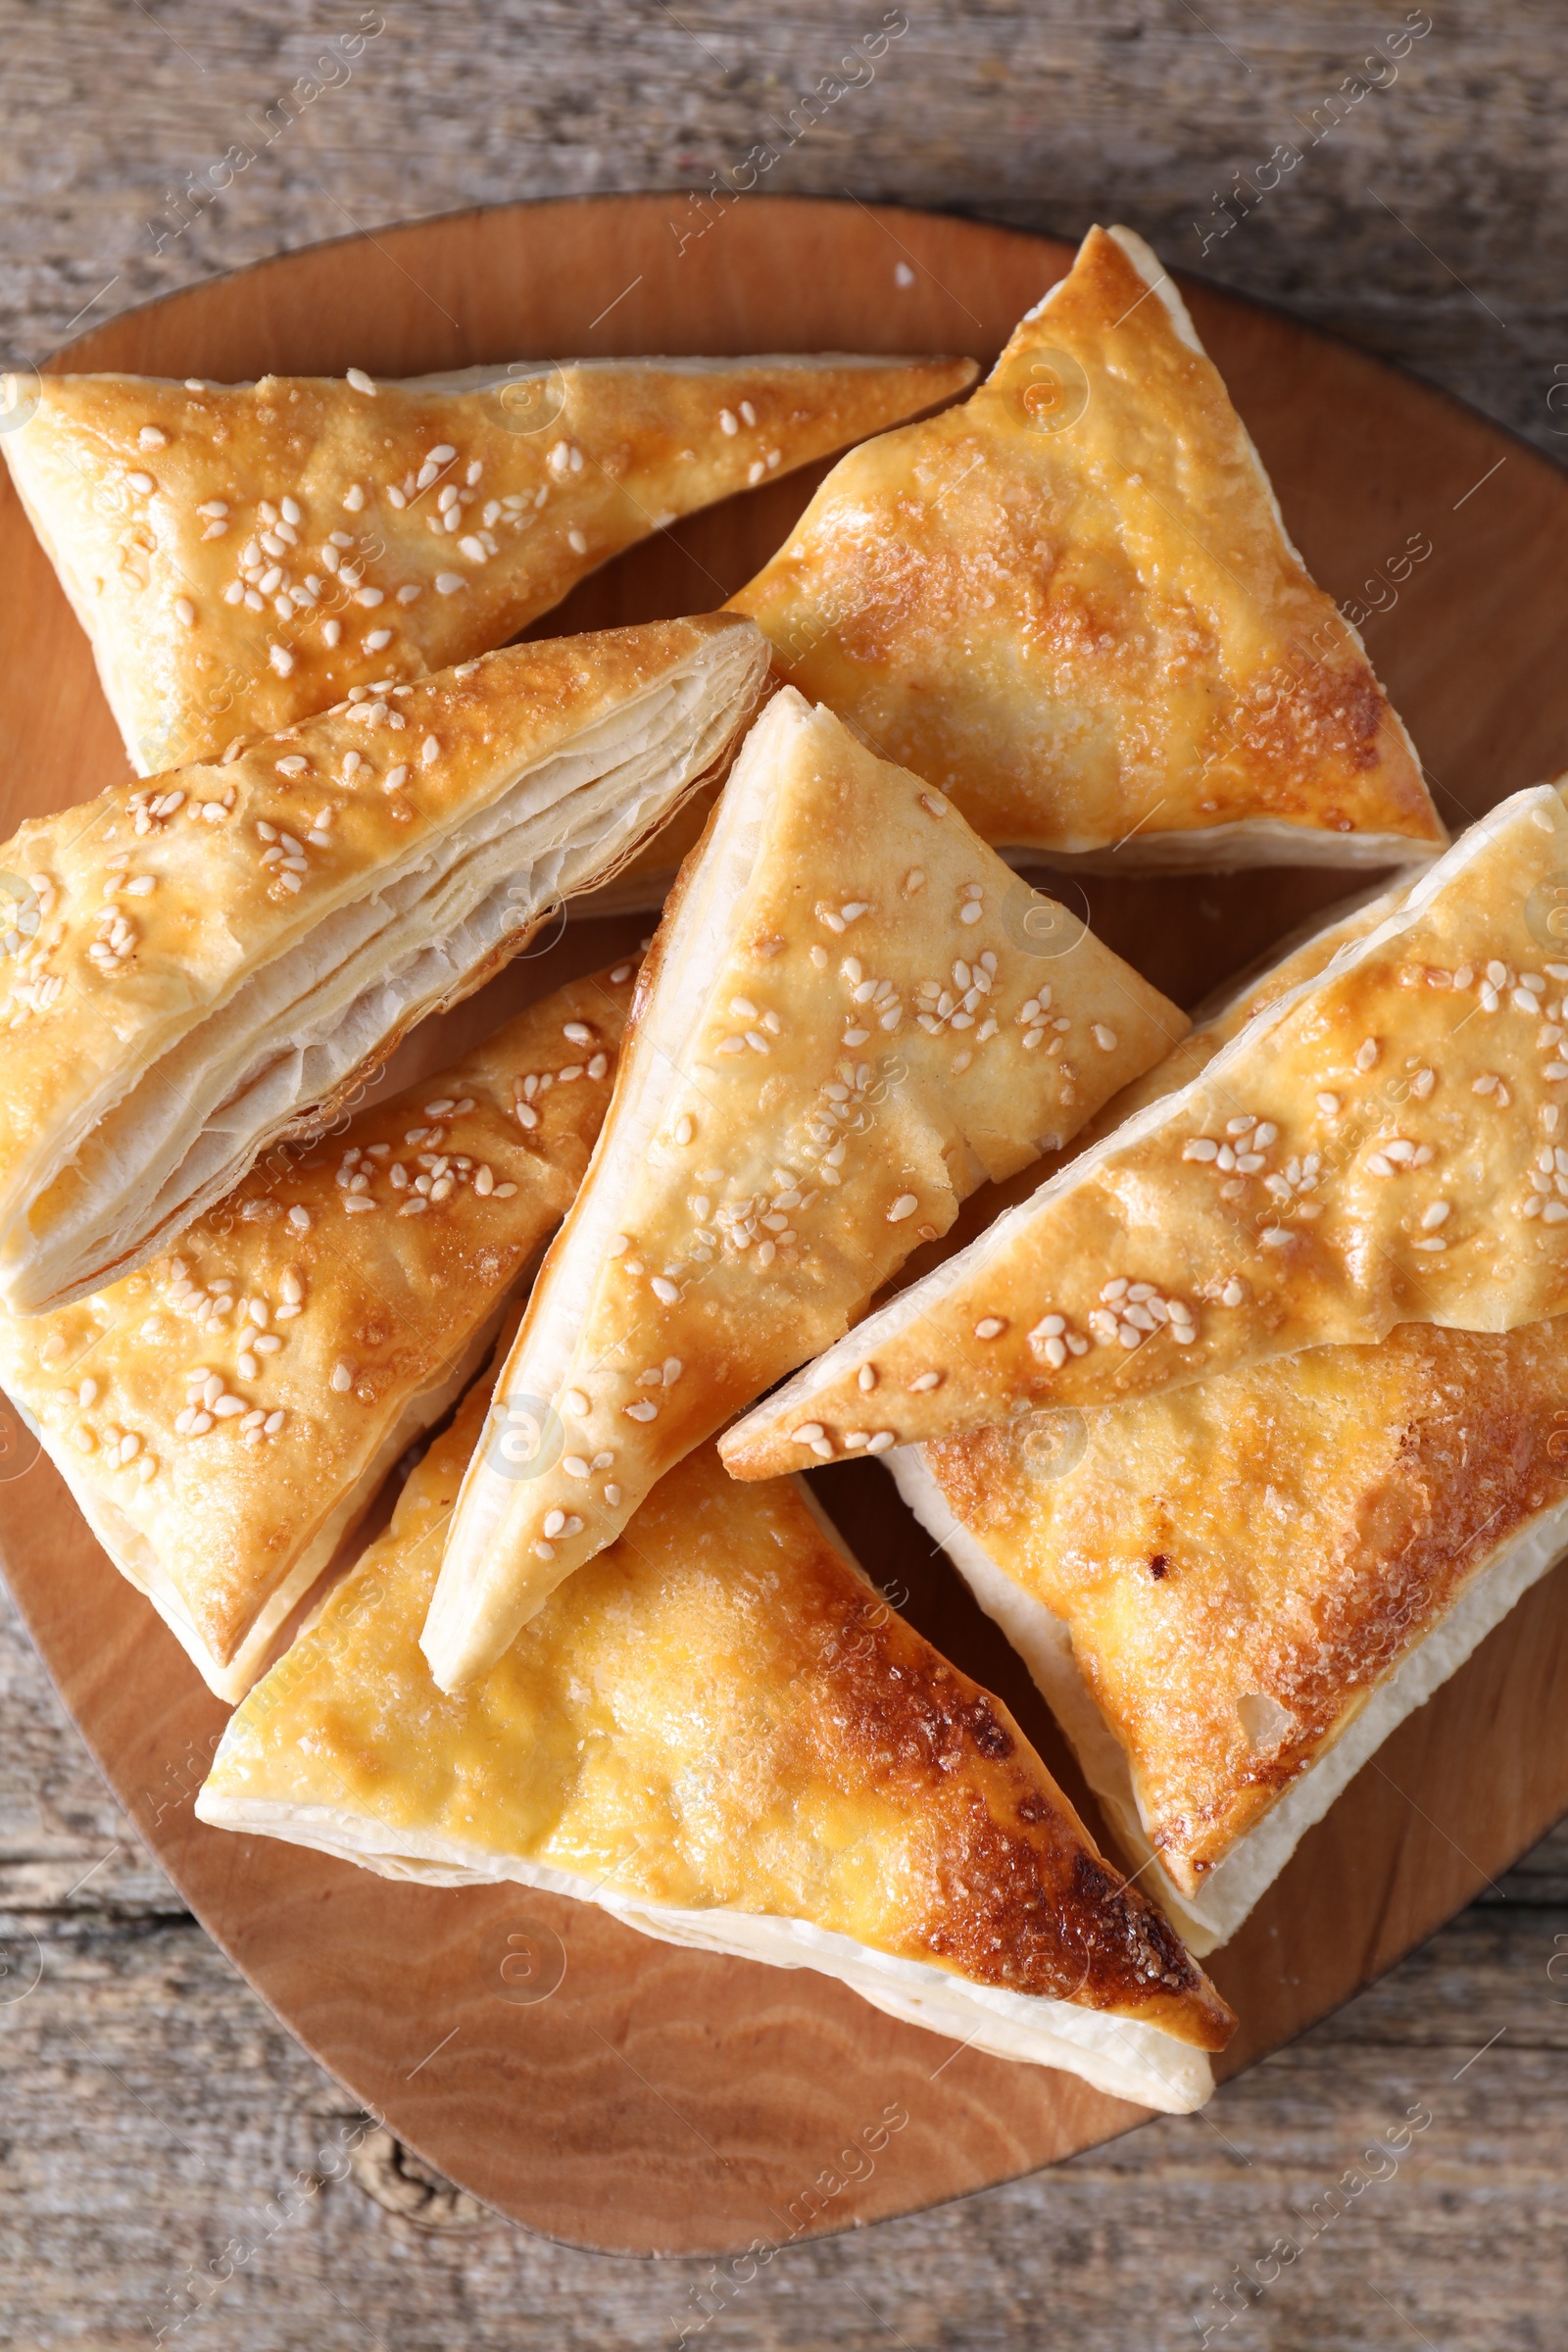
1231 1593
241 555
836 1038
197 967
1071 603
225 1415
1382 1145
720 1732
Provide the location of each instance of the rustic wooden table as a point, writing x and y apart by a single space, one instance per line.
166 2151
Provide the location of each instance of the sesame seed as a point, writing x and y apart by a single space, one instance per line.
880 1441
359 381
643 1411
447 584
665 1290
990 1327
342 1377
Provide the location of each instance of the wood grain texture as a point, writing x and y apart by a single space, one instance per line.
1047 117
677 2103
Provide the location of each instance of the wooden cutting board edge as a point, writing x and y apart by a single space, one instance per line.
1402 1920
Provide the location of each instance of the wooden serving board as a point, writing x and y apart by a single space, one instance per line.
656 2101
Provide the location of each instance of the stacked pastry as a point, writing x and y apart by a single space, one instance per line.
1060 618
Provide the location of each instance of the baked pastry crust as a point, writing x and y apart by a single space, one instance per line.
223 1416
198 968
1071 603
835 1039
1237 1578
1379 1146
241 555
721 1732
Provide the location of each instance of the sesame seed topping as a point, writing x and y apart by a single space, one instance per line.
990 1327
359 381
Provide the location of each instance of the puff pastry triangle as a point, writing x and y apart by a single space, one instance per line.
223 1416
1379 1146
720 1732
836 1039
1071 603
1231 1593
194 970
241 555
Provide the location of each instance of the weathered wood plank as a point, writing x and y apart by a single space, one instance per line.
1424 217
